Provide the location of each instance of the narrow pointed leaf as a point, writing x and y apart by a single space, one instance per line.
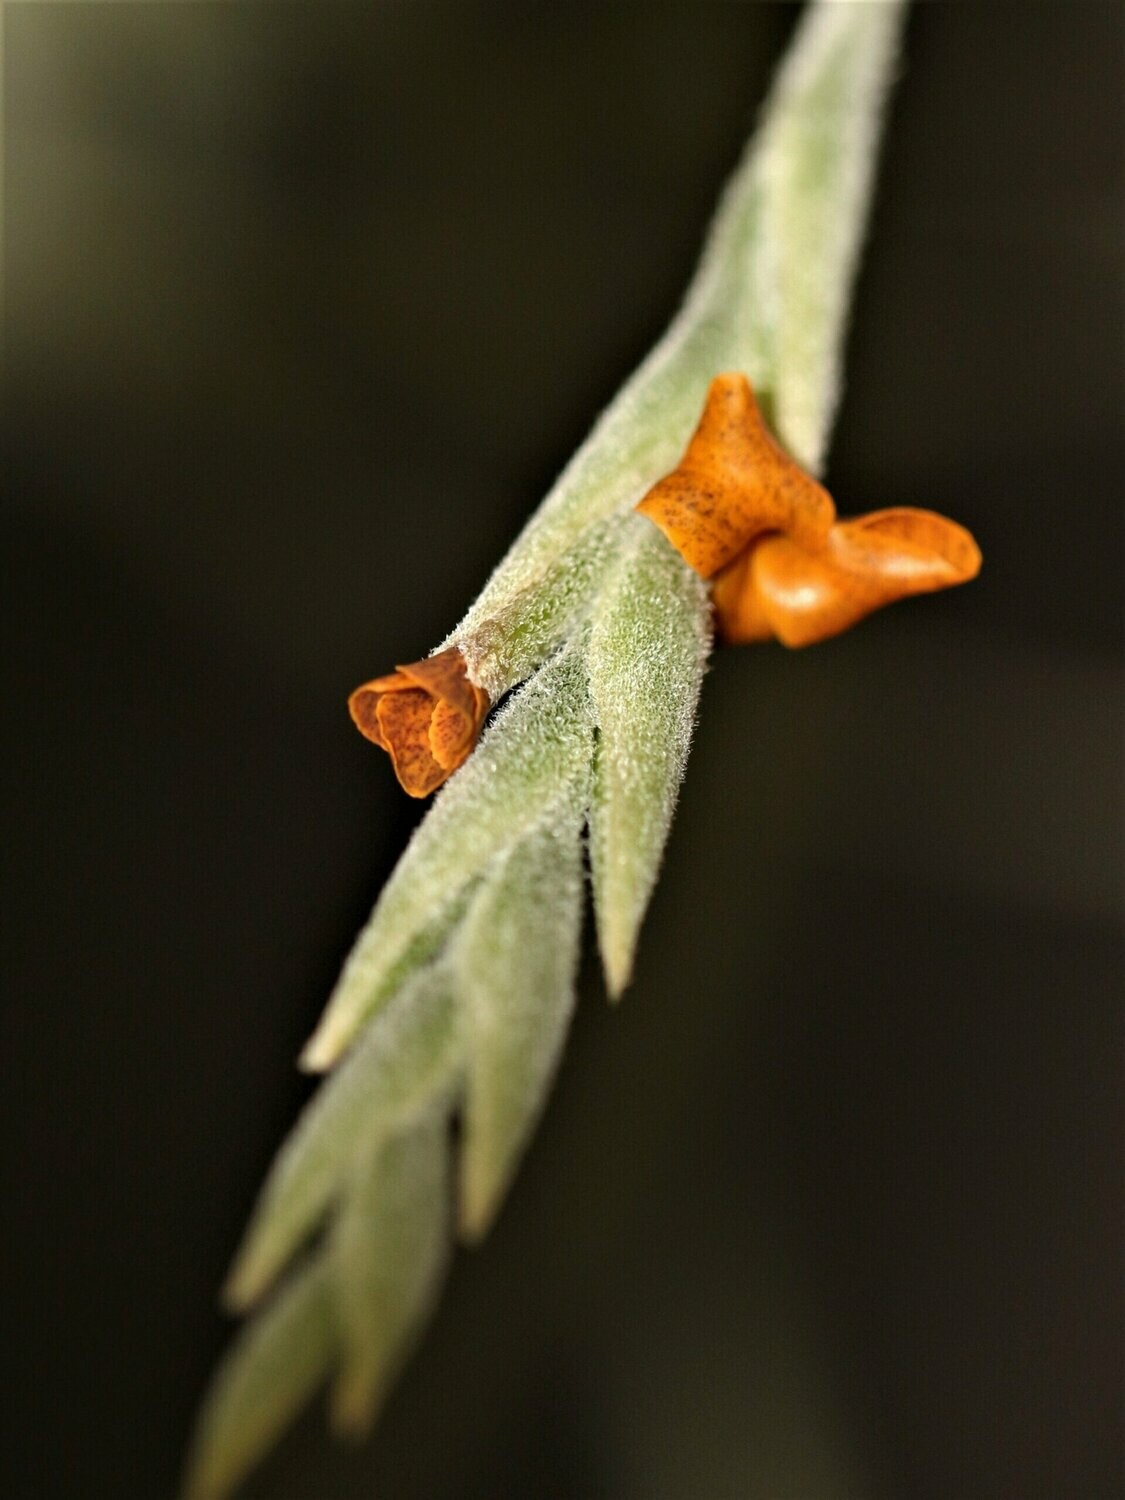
818 150
514 962
409 1055
649 640
534 751
390 1247
271 1371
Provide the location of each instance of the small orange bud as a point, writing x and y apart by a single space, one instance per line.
778 588
427 716
734 482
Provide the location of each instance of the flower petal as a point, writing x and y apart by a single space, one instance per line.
452 735
740 616
779 588
404 718
363 705
426 715
798 596
444 677
734 482
918 549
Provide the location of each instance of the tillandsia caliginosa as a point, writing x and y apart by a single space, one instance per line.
594 630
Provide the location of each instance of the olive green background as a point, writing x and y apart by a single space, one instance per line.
305 307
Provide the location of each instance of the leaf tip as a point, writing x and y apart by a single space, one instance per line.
476 1209
205 1474
618 927
353 1404
617 965
243 1287
323 1049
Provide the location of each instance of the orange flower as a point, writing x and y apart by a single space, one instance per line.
734 482
777 588
741 511
427 716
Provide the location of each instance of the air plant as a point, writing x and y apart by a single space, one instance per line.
693 503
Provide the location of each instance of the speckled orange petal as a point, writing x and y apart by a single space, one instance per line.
404 718
459 706
454 732
733 483
452 735
779 589
363 705
445 678
427 715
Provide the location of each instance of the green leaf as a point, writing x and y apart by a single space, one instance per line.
390 1247
273 1368
649 640
409 1055
536 748
540 603
817 159
770 298
514 962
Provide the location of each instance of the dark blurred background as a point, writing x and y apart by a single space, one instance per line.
832 1205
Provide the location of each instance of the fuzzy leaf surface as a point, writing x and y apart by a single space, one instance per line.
390 1244
514 962
818 153
538 746
274 1366
649 640
409 1055
770 298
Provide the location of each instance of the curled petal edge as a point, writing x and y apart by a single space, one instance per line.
426 715
777 588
